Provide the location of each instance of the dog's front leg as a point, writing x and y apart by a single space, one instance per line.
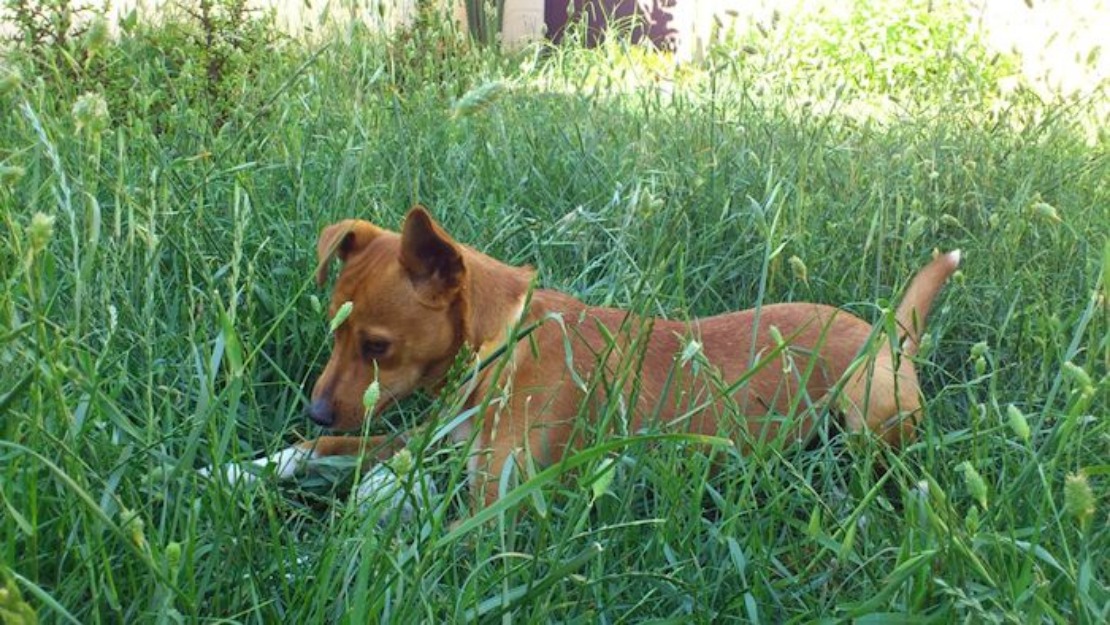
288 461
372 449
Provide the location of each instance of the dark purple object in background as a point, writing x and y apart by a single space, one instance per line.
652 18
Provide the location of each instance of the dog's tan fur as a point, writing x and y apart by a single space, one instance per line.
419 297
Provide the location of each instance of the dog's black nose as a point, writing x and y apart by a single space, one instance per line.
321 413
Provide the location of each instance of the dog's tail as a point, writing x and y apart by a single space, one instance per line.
919 297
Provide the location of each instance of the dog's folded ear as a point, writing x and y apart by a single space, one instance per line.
342 239
433 260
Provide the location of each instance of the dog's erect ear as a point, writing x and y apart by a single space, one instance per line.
342 239
431 257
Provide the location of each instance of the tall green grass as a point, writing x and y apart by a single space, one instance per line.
159 315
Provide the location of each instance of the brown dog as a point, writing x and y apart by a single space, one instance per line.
419 298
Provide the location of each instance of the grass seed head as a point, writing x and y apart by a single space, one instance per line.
980 349
132 524
10 80
1079 498
370 396
90 112
980 367
976 485
97 35
402 462
10 174
173 554
42 228
1046 211
798 266
979 353
478 98
340 316
13 609
1078 376
1017 422
972 521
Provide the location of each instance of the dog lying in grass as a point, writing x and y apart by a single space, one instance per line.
418 299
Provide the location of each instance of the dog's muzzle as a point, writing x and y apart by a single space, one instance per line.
321 413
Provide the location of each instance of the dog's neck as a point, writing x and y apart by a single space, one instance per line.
495 299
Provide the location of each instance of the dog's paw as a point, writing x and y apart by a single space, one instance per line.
283 465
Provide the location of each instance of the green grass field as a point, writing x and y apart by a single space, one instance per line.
161 193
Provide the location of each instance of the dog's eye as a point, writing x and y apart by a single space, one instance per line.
373 349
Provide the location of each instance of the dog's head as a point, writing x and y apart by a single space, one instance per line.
408 315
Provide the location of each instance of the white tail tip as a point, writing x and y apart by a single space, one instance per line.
954 256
